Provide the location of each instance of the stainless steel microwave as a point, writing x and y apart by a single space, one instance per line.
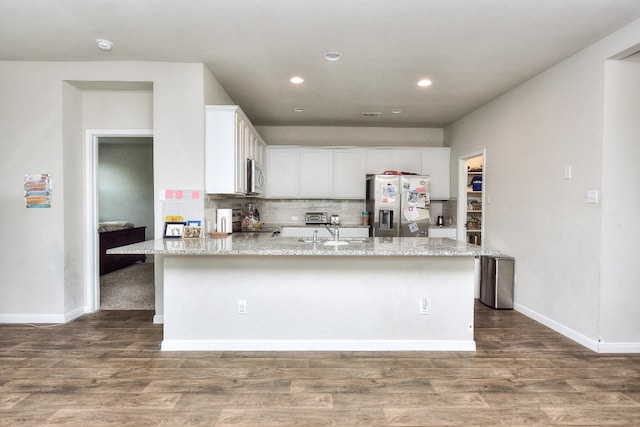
256 180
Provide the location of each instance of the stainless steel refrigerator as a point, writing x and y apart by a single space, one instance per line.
398 205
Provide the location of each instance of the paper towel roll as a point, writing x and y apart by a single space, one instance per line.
223 221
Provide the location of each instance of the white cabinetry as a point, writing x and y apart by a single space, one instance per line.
283 179
349 173
316 171
339 173
398 159
448 232
230 140
436 163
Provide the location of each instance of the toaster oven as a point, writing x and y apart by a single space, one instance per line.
316 218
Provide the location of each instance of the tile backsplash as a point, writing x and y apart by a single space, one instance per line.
188 204
292 211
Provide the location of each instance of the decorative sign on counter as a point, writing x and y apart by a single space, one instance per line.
37 190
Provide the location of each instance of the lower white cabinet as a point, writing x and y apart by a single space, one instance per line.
448 232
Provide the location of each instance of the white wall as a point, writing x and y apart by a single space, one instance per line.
42 126
117 108
530 134
351 136
73 207
620 252
125 181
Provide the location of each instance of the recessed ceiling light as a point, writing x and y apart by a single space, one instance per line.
397 111
298 109
424 83
104 44
333 56
296 80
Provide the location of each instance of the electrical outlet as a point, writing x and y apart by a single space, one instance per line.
424 309
242 307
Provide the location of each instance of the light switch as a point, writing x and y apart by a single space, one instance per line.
567 172
592 196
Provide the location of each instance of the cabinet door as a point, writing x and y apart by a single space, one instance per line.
221 150
378 160
260 149
402 160
436 163
283 172
243 135
315 173
407 160
349 174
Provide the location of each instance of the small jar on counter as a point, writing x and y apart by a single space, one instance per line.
365 218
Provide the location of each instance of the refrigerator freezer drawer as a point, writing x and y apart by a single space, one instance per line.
496 281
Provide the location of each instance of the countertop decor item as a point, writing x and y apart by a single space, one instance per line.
173 230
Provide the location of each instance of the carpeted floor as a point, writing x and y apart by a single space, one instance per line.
130 288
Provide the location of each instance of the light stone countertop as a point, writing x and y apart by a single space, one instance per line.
264 244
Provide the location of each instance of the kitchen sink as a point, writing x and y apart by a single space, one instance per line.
331 242
335 243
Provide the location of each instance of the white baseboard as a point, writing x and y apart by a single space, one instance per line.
73 315
42 318
627 347
158 319
317 345
32 318
558 327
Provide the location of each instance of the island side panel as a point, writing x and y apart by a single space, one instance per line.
318 303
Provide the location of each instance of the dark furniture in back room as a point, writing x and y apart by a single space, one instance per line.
119 237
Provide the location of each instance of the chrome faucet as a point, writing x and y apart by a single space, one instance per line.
315 236
335 233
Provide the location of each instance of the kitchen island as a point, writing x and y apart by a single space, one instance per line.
257 292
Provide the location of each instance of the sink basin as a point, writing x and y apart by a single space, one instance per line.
331 242
335 243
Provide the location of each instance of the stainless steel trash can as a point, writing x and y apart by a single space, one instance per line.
496 281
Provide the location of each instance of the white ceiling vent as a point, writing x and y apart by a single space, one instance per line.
370 115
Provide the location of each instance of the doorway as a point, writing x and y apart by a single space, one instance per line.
125 215
120 196
471 197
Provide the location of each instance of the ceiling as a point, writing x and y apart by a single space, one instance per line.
472 50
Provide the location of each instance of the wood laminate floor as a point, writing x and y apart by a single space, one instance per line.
107 369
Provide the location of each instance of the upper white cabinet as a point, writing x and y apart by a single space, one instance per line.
230 140
436 164
340 173
315 173
316 166
349 173
397 159
283 176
